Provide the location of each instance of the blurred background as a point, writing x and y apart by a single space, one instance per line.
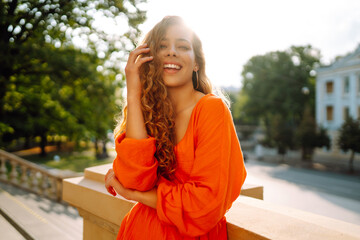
290 68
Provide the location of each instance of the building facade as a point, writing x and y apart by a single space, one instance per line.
338 94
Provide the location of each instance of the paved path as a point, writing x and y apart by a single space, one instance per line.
41 218
328 194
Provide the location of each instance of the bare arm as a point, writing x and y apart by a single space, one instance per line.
113 186
135 126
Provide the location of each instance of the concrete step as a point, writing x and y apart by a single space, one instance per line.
8 231
38 217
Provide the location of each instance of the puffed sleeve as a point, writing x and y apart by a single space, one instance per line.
218 173
135 165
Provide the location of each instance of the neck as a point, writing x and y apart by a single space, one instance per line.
182 98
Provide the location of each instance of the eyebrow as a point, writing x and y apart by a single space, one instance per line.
178 40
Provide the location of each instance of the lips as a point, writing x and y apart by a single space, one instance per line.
172 66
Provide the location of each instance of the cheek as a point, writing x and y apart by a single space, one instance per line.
191 58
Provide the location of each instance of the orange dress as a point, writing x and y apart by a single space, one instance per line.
209 175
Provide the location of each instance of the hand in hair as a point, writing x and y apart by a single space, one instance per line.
134 62
135 126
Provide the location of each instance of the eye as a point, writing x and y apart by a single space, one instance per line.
162 46
184 47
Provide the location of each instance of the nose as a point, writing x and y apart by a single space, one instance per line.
171 51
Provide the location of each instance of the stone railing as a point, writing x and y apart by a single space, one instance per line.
249 218
29 176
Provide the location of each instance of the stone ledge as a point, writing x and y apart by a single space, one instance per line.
91 196
249 218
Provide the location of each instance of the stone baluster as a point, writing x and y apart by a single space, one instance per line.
24 180
40 177
52 189
3 174
45 184
34 180
13 173
58 189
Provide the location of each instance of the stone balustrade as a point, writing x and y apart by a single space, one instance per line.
29 176
249 218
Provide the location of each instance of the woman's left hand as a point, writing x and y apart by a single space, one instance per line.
113 186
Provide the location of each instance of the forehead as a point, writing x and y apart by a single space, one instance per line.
178 32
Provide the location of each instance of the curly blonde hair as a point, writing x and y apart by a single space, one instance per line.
158 112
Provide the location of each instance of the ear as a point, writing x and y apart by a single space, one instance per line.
196 67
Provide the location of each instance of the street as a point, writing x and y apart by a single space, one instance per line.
328 194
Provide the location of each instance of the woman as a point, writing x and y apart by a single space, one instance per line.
178 155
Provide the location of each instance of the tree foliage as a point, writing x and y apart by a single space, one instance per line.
60 68
277 86
349 139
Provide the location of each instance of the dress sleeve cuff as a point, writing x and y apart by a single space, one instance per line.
135 165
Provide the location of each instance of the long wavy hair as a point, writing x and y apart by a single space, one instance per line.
157 109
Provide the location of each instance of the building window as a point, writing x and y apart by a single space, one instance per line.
346 113
329 87
346 85
359 112
329 113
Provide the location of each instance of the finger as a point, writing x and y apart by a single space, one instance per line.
135 54
112 191
107 182
107 175
142 60
142 46
107 186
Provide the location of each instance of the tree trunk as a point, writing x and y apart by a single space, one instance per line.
307 154
351 162
27 142
58 145
282 158
104 150
43 145
96 147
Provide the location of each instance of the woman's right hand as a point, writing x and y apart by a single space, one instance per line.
134 62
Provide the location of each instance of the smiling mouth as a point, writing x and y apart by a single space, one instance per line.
172 66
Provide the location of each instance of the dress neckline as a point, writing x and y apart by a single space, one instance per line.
191 117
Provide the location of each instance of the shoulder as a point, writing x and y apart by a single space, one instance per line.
212 107
212 103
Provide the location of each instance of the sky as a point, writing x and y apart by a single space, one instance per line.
232 31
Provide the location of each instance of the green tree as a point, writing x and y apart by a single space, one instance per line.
237 110
49 84
309 136
349 139
274 86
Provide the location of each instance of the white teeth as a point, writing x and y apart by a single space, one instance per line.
172 66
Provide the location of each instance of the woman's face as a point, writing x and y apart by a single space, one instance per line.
177 56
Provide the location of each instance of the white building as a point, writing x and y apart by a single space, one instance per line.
338 94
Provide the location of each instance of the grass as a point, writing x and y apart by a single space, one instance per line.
74 161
